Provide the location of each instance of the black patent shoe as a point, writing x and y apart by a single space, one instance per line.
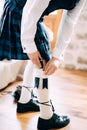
27 107
55 122
17 93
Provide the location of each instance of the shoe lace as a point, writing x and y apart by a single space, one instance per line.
10 92
6 92
47 104
18 89
31 91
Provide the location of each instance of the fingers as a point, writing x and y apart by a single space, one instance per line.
51 66
37 62
49 69
34 57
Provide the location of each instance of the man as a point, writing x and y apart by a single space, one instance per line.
36 45
48 119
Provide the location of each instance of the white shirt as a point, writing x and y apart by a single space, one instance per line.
31 14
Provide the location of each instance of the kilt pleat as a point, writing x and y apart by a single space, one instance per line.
10 42
10 24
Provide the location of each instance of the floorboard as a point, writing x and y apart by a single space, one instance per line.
68 91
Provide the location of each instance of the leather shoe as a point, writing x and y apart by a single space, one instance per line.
17 93
55 122
27 107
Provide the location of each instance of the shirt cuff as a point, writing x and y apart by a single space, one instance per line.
29 48
58 54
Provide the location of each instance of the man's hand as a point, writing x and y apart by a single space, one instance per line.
35 58
51 66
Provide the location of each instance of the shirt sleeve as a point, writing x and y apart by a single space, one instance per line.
67 24
31 13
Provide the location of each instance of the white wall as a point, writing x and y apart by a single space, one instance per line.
76 53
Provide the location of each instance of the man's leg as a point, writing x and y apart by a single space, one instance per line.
48 119
26 101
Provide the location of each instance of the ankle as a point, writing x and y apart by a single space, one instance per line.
46 110
25 94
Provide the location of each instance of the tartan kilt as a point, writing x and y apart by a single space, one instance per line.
10 24
10 27
10 42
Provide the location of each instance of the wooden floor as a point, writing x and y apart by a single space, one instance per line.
68 90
